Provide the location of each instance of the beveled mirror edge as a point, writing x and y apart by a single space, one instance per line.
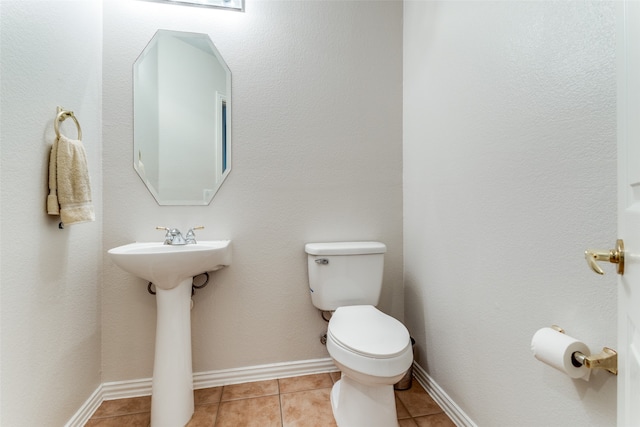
233 5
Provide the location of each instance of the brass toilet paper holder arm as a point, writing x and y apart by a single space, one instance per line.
607 359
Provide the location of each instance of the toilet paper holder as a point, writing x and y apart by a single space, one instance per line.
607 359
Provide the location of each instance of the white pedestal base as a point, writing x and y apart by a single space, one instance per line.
172 390
358 405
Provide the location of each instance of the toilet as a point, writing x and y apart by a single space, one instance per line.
372 350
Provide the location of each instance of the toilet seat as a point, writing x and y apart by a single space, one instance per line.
366 331
368 342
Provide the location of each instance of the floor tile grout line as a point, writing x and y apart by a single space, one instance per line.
280 404
305 390
104 417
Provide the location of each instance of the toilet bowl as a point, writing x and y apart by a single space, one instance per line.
373 351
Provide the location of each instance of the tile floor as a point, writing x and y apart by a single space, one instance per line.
288 402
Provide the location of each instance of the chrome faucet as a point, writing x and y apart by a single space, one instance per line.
174 236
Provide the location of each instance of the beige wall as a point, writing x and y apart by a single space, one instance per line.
509 175
317 134
50 279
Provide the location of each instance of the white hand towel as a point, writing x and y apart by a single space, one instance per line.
69 185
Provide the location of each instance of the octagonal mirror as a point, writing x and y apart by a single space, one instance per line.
181 118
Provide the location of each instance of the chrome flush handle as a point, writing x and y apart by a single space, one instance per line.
614 256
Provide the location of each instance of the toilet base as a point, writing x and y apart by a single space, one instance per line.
357 405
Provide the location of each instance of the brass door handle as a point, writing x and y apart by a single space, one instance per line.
615 256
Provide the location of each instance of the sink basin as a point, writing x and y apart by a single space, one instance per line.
168 265
171 269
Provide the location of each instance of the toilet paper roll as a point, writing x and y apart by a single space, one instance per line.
555 349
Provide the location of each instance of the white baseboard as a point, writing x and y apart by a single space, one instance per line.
454 412
262 372
125 389
85 412
142 387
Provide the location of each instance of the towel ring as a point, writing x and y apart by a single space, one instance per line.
61 116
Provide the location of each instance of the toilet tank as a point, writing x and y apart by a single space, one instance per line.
345 273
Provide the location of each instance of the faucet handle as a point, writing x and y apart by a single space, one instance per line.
191 235
165 228
168 237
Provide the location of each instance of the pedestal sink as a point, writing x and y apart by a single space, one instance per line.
171 268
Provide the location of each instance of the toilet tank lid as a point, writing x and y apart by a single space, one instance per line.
345 248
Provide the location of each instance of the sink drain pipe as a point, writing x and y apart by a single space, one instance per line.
193 285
